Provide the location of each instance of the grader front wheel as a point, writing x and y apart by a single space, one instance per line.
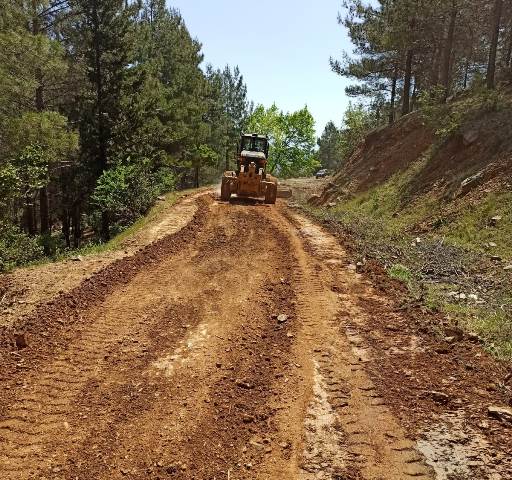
271 194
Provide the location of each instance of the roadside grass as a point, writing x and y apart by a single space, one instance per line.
401 273
116 243
380 223
475 230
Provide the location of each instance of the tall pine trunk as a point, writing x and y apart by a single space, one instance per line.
435 65
508 55
66 228
448 49
77 227
466 74
102 140
29 221
495 35
196 176
44 207
44 211
393 97
406 100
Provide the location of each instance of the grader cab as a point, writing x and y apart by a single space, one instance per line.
251 178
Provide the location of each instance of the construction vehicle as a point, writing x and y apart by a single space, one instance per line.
251 179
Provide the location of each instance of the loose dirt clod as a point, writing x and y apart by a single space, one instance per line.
21 341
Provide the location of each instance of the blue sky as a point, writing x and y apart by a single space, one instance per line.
281 46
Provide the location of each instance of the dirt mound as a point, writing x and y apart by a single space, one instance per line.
480 151
63 312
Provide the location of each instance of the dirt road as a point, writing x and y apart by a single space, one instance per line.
247 345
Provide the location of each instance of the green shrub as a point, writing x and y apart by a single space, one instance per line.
16 248
446 119
126 192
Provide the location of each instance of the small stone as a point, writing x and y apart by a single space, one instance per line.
473 337
245 385
161 198
314 199
470 137
495 220
496 258
454 332
507 268
248 419
78 258
282 318
440 397
501 413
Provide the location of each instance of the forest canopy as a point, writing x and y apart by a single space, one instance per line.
104 106
410 54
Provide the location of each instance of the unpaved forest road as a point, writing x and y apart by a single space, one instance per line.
244 346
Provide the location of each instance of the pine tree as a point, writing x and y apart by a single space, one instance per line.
103 35
329 152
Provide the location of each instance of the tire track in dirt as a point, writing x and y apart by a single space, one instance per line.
349 431
178 365
38 430
117 359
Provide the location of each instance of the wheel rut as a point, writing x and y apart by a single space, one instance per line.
240 354
349 431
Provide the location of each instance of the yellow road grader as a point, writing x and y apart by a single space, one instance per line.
251 179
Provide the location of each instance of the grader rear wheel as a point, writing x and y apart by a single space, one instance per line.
271 194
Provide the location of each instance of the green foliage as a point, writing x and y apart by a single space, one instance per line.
292 139
474 229
447 119
405 48
126 193
16 248
49 130
103 106
28 61
329 152
357 122
400 272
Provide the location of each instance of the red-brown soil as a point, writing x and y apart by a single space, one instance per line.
244 346
478 154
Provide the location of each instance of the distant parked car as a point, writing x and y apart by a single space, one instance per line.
322 173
